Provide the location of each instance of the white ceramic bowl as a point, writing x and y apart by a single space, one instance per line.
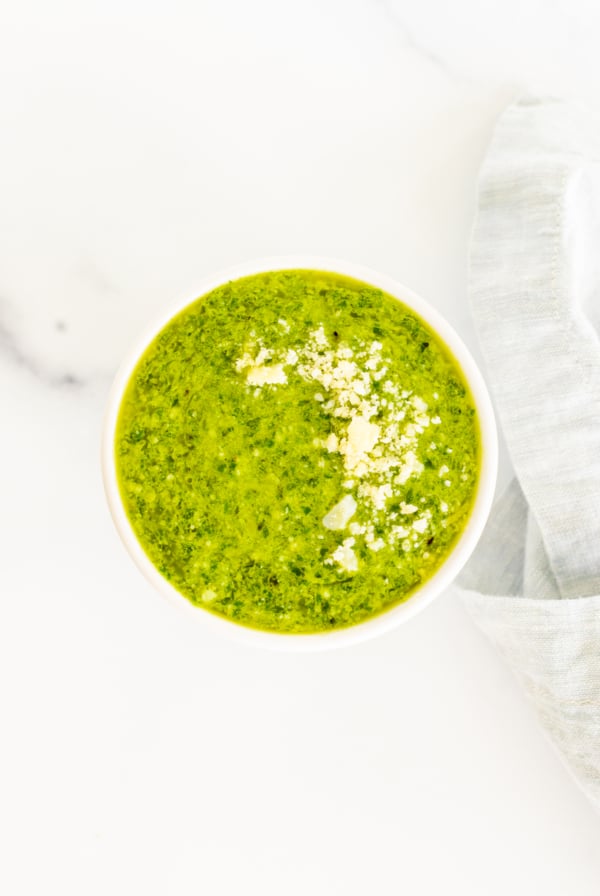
455 560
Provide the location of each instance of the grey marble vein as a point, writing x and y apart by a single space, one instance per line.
409 41
13 351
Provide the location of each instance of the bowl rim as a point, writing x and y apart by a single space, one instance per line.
465 544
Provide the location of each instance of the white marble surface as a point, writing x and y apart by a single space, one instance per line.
144 145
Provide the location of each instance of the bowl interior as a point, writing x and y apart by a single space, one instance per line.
459 553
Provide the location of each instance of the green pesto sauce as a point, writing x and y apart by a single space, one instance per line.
237 437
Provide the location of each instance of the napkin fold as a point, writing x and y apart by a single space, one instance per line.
533 583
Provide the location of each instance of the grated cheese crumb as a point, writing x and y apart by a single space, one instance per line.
345 557
266 376
408 508
339 515
332 442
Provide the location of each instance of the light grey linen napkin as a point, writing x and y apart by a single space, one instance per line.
533 584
